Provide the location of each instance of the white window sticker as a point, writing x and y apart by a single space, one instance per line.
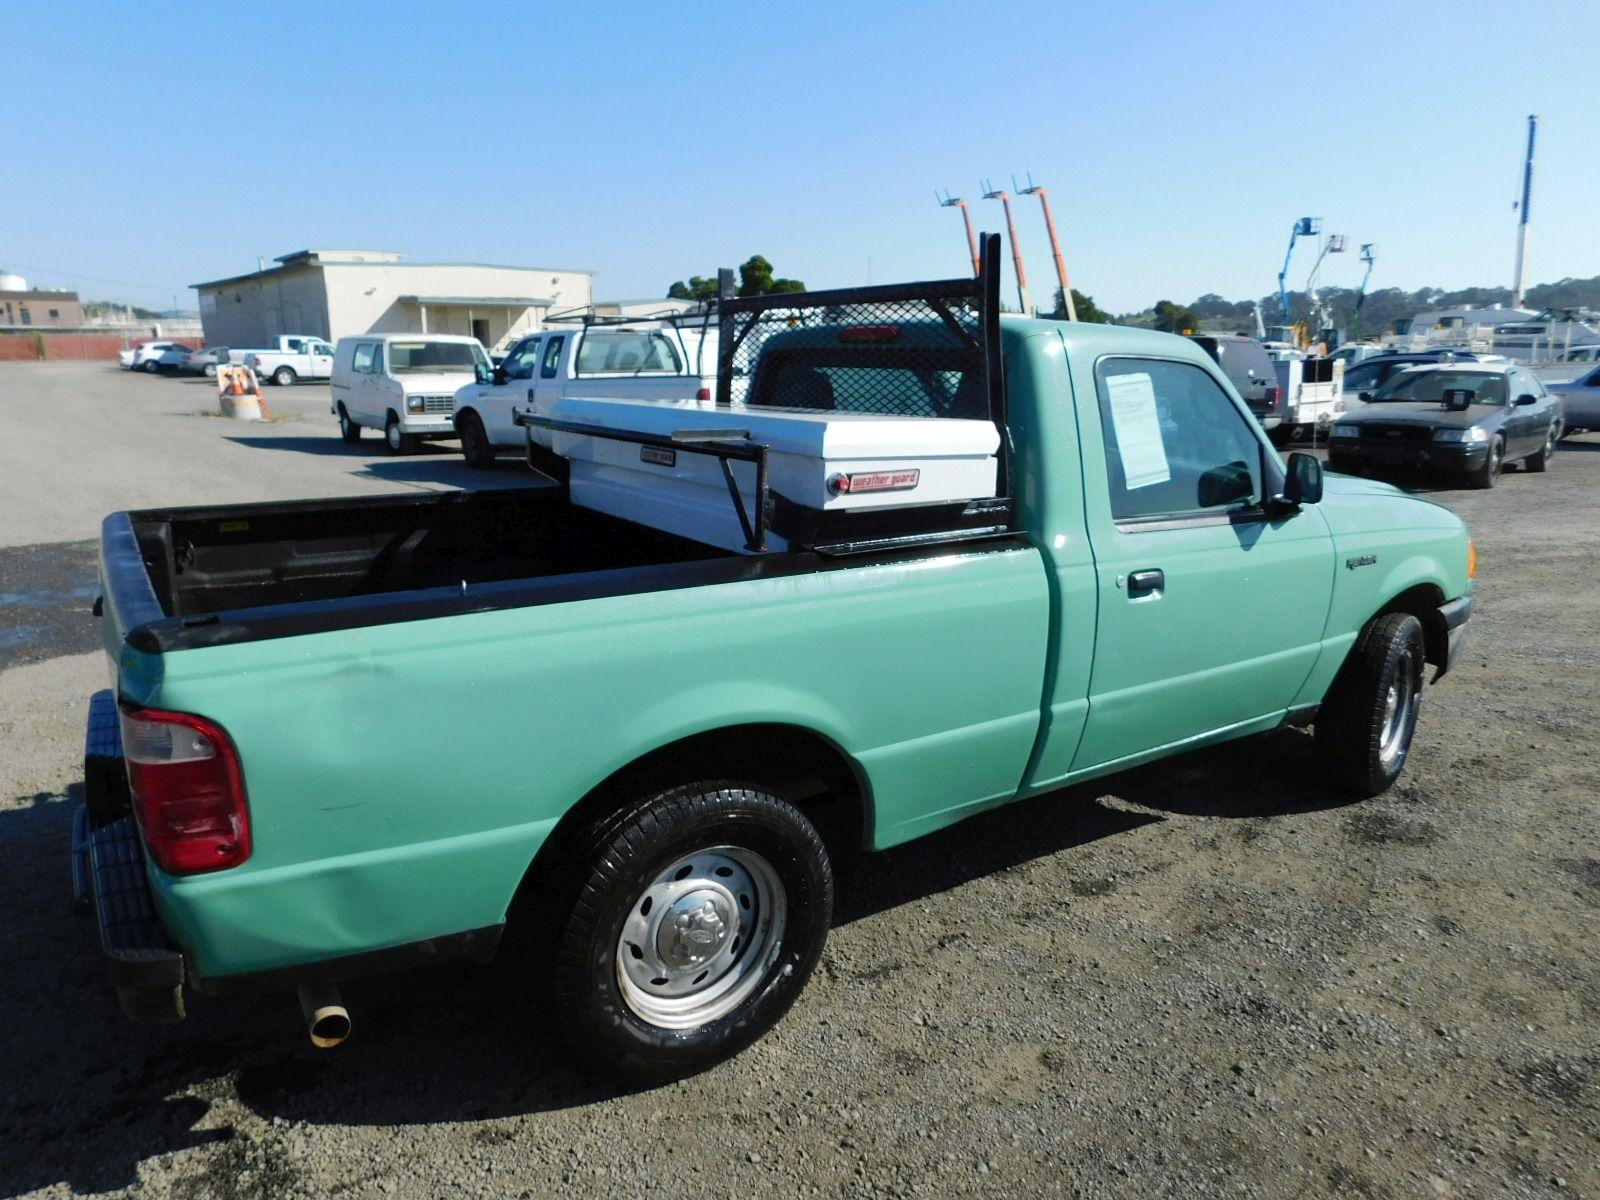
1138 430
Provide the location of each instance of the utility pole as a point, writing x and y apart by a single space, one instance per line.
1304 227
990 193
1361 294
1034 189
1522 216
949 201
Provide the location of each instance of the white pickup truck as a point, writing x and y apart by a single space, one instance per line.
635 361
296 356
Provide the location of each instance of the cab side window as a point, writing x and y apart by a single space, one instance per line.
520 362
361 364
552 358
1175 442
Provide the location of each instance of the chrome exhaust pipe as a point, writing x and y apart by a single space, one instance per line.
327 1020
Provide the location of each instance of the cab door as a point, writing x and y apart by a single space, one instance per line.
546 389
508 390
1211 610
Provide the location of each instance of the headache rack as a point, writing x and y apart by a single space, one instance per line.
937 349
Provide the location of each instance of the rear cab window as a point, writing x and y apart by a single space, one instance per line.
629 352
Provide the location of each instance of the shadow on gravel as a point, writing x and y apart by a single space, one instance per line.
89 1097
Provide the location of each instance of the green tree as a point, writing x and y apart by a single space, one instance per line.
1087 309
755 279
1175 318
697 288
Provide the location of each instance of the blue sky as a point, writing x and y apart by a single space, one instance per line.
1178 140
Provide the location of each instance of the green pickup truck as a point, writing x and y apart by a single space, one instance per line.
350 735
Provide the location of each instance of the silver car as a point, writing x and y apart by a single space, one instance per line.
1580 397
205 362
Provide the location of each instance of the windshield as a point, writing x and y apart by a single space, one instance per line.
1425 387
435 358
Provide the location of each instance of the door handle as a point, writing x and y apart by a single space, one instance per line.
1142 583
530 395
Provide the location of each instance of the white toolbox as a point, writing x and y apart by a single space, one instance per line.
827 462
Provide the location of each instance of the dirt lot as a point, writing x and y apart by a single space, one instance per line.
1210 977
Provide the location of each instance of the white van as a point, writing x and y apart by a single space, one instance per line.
634 361
403 384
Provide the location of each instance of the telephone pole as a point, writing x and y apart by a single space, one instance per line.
1034 189
1522 215
990 193
949 201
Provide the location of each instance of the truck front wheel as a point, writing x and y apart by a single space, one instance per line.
695 921
398 441
475 446
1365 725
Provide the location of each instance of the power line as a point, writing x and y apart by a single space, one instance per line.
75 275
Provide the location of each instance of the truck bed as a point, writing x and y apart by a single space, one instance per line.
330 555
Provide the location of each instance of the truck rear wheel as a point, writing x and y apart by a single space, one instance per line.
284 376
693 924
348 429
1364 728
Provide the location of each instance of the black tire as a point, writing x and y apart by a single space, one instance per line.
1485 476
1539 461
621 869
284 377
1365 725
209 370
348 429
398 443
475 445
152 367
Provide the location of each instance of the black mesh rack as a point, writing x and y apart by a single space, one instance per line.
929 349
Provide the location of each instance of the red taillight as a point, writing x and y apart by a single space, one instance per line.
188 791
870 333
703 394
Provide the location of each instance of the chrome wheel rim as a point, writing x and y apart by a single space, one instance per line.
698 940
1399 708
394 435
1494 459
1550 442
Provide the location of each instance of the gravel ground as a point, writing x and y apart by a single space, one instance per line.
1208 977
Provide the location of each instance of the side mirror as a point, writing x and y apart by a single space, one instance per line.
1226 484
1364 397
1302 482
1525 398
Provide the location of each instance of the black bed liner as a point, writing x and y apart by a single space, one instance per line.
191 577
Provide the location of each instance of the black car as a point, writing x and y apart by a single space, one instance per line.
1249 368
1465 418
1370 374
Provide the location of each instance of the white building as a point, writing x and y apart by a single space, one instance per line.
335 293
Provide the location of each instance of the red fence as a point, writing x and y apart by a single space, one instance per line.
42 347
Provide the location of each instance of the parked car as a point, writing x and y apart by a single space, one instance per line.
403 384
284 343
646 360
307 358
1464 418
1371 374
155 357
205 362
1248 367
366 731
1580 401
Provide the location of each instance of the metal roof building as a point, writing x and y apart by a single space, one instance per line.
336 293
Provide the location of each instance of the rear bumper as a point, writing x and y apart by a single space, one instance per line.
1457 615
147 970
